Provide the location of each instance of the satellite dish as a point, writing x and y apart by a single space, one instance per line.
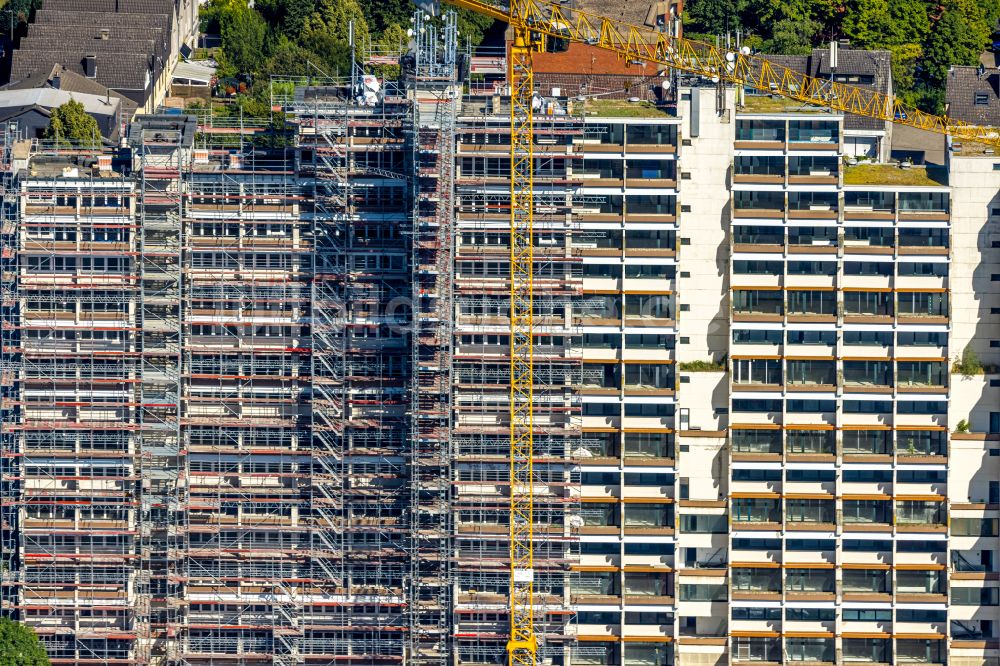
715 79
730 57
409 32
745 50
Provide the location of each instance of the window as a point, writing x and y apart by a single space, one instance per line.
920 615
867 615
756 475
704 524
975 596
982 99
696 592
986 527
867 475
867 545
744 613
811 614
810 544
756 544
921 476
649 549
742 336
921 546
811 475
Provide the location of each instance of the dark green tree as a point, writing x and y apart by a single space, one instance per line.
291 59
286 16
70 124
244 34
19 646
957 39
714 17
17 12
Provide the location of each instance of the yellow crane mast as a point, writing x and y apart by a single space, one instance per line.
531 21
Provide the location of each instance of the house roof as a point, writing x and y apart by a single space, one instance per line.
62 79
14 103
118 71
113 6
47 16
130 40
973 96
866 65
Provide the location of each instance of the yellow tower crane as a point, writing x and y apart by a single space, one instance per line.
532 21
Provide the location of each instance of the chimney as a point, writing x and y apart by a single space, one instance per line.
90 66
104 163
105 34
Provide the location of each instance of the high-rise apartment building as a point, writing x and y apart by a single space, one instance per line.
255 390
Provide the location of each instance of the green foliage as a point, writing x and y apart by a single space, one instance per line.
957 39
19 646
70 124
969 364
472 27
291 59
922 45
332 18
287 16
18 10
243 33
701 366
963 426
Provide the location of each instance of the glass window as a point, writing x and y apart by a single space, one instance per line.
743 336
810 649
756 441
756 510
866 581
867 442
704 524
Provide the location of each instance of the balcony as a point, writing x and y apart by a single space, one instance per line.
868 205
760 134
868 306
812 240
867 515
756 444
812 305
756 513
758 203
921 516
758 239
812 205
767 170
867 443
868 240
811 375
810 170
868 376
757 305
813 135
922 376
755 583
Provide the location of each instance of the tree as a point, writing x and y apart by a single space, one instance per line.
70 124
291 59
957 39
287 16
473 27
332 18
19 646
243 33
713 17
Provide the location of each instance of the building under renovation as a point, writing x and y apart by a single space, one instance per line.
255 390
